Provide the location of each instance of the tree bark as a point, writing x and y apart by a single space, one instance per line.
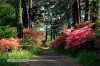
51 32
93 11
75 13
79 8
46 36
25 14
30 13
19 19
86 10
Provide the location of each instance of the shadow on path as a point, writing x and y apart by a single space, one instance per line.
50 58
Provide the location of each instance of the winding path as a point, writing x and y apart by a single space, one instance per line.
50 58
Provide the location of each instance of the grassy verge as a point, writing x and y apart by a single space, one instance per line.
18 57
89 58
84 58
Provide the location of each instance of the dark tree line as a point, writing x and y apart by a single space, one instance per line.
65 12
90 8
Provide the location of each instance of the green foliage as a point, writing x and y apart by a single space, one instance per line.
97 31
6 32
15 54
89 59
6 11
85 58
59 49
96 34
20 54
36 50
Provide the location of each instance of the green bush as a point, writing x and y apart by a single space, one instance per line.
6 12
59 49
97 31
6 32
89 59
35 50
20 54
15 54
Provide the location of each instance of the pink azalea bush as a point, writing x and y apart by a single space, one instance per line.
32 37
60 40
75 37
10 43
87 24
31 32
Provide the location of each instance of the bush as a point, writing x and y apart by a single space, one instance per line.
59 49
31 32
6 12
6 32
89 59
32 37
9 44
15 54
77 37
96 34
20 54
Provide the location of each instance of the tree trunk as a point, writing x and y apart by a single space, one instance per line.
30 13
54 34
86 10
98 6
46 34
75 13
25 14
51 32
93 11
79 8
19 19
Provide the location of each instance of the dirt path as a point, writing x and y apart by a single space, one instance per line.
50 58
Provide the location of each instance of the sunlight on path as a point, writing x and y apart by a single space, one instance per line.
50 58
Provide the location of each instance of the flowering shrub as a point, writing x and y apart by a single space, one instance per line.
39 33
60 40
81 25
10 43
27 31
33 41
32 37
87 24
75 37
31 32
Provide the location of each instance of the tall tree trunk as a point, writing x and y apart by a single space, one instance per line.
19 18
53 35
46 36
25 13
79 8
75 13
30 13
86 10
97 8
93 11
51 32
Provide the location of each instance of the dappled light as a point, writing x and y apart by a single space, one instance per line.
49 33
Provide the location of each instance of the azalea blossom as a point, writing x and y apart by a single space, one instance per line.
9 43
75 37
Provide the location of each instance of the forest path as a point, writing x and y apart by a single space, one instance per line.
50 58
